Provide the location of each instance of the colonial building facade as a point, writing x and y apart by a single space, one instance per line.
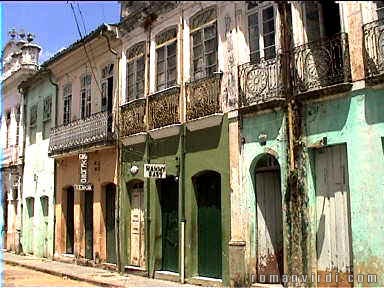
83 145
20 60
217 143
39 97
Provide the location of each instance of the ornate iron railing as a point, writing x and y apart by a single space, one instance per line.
321 63
81 133
203 96
374 48
260 82
164 108
133 117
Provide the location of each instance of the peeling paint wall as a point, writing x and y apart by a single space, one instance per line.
356 119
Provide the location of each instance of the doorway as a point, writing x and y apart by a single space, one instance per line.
110 198
208 196
70 220
269 235
88 224
169 198
334 248
30 201
137 248
44 200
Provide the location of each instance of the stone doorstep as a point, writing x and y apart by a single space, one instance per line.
262 285
167 275
204 281
89 279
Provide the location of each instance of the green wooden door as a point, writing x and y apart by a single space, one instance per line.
209 225
110 223
70 221
169 224
88 223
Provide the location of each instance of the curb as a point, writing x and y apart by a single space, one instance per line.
61 274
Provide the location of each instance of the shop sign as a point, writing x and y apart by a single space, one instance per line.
84 185
155 171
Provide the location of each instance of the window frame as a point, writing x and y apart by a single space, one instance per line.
258 10
67 103
134 59
164 44
85 96
202 27
46 119
33 115
104 81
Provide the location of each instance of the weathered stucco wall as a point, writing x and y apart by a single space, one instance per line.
357 120
37 236
273 124
101 171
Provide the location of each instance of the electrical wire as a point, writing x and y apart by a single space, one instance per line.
85 49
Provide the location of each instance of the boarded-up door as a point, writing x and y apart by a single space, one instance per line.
137 225
30 225
44 206
169 196
88 223
269 221
333 212
110 197
209 225
70 220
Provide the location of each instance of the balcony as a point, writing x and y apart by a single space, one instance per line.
374 50
164 108
203 97
261 83
10 156
82 133
133 118
322 64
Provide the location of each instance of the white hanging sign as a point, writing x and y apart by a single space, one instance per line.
155 171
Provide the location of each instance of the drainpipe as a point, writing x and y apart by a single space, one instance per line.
147 152
182 153
22 91
118 146
54 165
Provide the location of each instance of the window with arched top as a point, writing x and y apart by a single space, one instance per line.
135 71
203 33
67 103
107 87
85 95
166 58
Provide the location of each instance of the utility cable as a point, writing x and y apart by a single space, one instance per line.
86 52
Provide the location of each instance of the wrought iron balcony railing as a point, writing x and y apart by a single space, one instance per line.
203 97
164 108
321 63
133 117
260 82
81 133
374 48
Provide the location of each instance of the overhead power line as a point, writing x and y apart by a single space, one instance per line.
85 49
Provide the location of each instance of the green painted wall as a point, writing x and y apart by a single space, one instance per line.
38 178
357 119
274 125
205 150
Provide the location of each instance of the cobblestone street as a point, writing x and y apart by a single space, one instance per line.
16 276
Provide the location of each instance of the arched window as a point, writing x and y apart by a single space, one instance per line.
135 71
107 87
85 95
166 58
204 43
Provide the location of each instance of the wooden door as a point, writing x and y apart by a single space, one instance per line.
30 224
110 197
88 224
269 224
333 212
169 196
137 225
44 206
70 221
209 225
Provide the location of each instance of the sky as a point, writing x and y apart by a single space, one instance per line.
53 22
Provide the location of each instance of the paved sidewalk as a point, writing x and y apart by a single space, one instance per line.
92 275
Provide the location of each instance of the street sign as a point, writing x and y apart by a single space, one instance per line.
155 171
